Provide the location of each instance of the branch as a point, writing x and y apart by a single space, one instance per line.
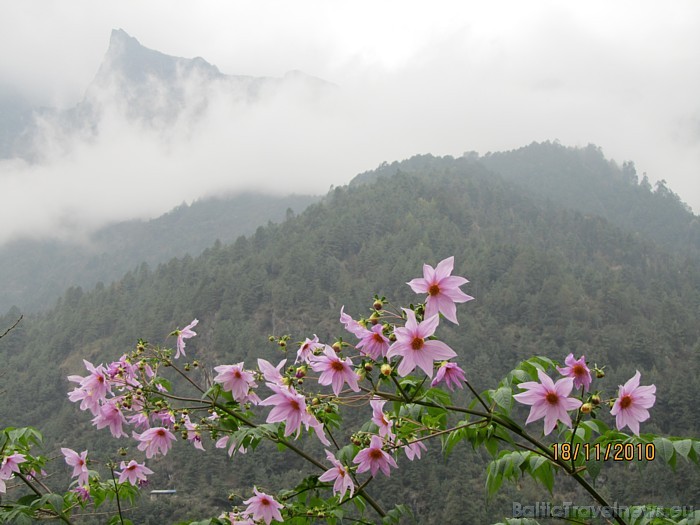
13 326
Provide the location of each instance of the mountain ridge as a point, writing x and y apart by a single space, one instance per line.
143 85
580 179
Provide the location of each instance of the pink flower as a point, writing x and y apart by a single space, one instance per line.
139 420
334 371
165 417
83 493
155 440
451 373
79 464
340 476
549 400
271 373
414 450
310 421
123 372
373 342
306 350
263 507
351 325
289 406
185 333
193 433
412 345
110 416
631 406
92 389
231 443
442 289
133 472
237 381
8 466
577 370
379 418
374 458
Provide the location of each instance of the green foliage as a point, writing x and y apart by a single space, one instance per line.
512 465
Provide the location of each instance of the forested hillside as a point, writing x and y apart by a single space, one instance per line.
34 273
547 279
580 179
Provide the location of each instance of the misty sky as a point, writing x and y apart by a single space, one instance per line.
441 78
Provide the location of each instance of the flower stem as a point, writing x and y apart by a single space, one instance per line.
116 491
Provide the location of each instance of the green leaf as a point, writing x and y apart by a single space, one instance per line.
492 446
683 447
665 450
55 501
536 461
595 426
504 398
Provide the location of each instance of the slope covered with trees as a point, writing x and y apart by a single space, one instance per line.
547 280
580 179
34 273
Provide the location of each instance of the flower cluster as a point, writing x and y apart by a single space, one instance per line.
385 349
551 401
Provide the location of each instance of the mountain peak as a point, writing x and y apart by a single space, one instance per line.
134 63
121 42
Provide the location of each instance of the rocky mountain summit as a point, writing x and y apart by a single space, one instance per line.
141 85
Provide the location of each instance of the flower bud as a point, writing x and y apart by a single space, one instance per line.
337 346
282 343
315 402
300 381
385 369
595 399
587 408
300 372
374 318
377 305
271 338
599 374
368 367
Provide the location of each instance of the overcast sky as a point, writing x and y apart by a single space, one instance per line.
414 77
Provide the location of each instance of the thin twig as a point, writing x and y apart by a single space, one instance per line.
13 326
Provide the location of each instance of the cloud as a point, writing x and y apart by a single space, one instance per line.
412 79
